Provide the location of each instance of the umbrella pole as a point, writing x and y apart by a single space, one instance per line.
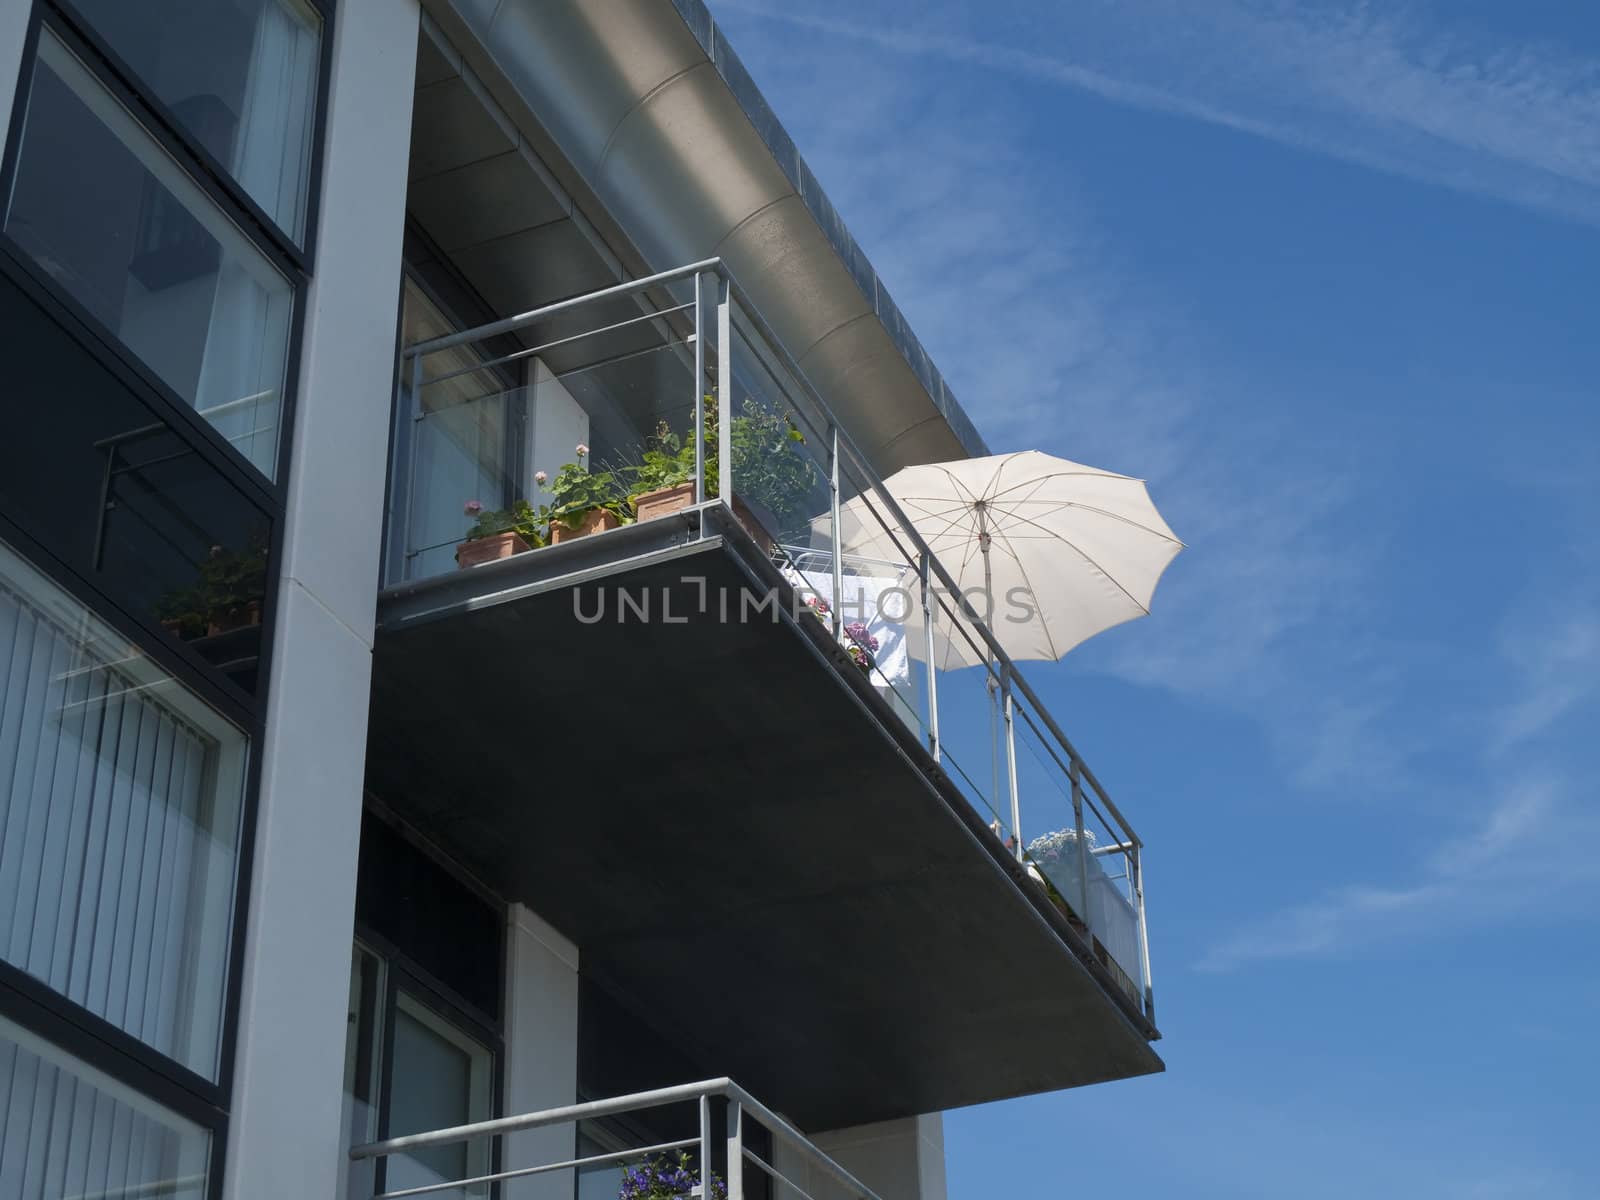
1001 683
1003 687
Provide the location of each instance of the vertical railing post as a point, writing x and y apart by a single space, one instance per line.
1007 703
725 390
1136 865
705 1147
735 1149
408 432
699 398
1075 773
932 697
836 607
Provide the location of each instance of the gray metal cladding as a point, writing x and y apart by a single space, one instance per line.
651 105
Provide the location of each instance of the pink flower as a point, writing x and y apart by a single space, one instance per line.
541 478
473 507
582 449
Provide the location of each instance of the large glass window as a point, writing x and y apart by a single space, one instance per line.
239 75
126 500
120 798
67 1130
115 221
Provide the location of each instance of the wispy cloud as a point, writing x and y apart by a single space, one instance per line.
1533 848
1530 855
1052 340
1556 658
1375 89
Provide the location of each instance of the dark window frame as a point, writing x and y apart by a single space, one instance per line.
400 973
300 256
189 667
29 1002
40 1016
218 185
97 1041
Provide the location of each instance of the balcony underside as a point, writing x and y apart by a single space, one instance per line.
744 842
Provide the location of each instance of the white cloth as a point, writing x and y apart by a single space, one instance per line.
879 602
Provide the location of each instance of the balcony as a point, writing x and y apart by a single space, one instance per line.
721 1140
725 753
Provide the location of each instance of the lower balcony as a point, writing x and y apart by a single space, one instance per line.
708 1139
785 837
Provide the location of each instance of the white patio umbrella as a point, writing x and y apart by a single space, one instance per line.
1050 552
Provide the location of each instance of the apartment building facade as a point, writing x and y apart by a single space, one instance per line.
316 836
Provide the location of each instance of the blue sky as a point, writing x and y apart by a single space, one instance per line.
1326 275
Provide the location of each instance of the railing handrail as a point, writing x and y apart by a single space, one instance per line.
567 1113
634 1102
510 324
1002 666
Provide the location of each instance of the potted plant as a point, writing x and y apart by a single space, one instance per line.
861 647
662 482
585 501
770 472
225 596
772 480
664 1178
501 532
860 644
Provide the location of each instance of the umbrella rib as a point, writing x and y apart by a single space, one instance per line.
1089 558
1032 591
1067 475
1104 512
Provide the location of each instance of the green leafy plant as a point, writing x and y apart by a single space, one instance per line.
577 491
228 588
521 518
769 467
667 461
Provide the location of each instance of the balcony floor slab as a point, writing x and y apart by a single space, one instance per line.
744 842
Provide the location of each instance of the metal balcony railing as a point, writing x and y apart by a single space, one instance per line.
717 1154
676 380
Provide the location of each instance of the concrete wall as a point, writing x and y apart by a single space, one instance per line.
899 1160
285 1137
541 1049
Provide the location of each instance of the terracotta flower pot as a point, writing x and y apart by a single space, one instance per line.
757 522
663 502
488 549
596 520
235 618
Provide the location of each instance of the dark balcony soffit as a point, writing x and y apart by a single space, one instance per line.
742 841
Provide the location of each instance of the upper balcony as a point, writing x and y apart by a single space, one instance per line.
673 710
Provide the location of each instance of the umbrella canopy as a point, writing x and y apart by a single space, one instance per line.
1050 552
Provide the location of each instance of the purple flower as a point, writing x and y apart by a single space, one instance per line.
582 449
473 507
858 634
540 478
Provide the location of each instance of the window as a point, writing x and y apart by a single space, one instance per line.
111 217
413 1064
240 76
119 825
69 1130
126 501
439 1076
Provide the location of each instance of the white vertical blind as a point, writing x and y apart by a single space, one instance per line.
66 1131
118 825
